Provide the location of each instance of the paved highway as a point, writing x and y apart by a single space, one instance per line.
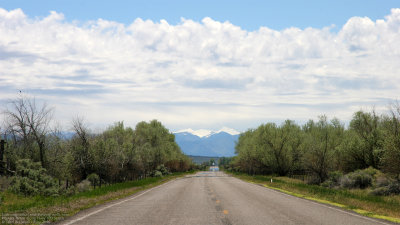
215 198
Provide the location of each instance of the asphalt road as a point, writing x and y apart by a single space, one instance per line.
215 198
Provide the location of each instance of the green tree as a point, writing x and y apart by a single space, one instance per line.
368 128
391 157
322 140
155 145
282 146
351 154
225 162
270 149
249 155
112 152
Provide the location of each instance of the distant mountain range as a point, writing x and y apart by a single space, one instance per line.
207 143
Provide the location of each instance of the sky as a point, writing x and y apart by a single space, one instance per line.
203 65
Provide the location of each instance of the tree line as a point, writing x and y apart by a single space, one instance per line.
117 154
321 147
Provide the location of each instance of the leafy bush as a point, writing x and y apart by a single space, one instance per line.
83 186
371 171
71 190
160 171
382 181
333 179
163 169
94 179
313 180
357 179
158 174
393 187
31 179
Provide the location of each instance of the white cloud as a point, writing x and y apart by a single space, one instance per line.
206 74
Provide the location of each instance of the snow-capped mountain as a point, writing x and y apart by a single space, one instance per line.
206 133
206 142
229 131
200 133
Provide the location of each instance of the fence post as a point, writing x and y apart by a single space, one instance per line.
2 167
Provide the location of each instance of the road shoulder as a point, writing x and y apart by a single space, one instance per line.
327 203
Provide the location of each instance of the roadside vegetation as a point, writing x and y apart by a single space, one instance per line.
41 165
357 165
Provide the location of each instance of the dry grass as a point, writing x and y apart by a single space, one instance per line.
82 203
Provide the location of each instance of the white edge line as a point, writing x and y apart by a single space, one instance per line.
109 206
320 204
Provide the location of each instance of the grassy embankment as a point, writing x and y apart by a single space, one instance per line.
359 201
39 209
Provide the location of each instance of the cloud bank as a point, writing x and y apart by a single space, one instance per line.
199 74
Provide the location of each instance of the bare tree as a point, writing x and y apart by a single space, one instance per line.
81 130
80 146
29 122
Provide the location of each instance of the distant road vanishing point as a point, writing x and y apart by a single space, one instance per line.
215 198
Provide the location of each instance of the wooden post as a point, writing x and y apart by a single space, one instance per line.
2 167
2 142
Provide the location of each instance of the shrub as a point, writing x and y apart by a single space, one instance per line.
382 181
346 182
333 179
335 176
371 171
83 186
160 171
392 188
158 174
31 179
71 190
357 179
163 169
313 180
94 179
